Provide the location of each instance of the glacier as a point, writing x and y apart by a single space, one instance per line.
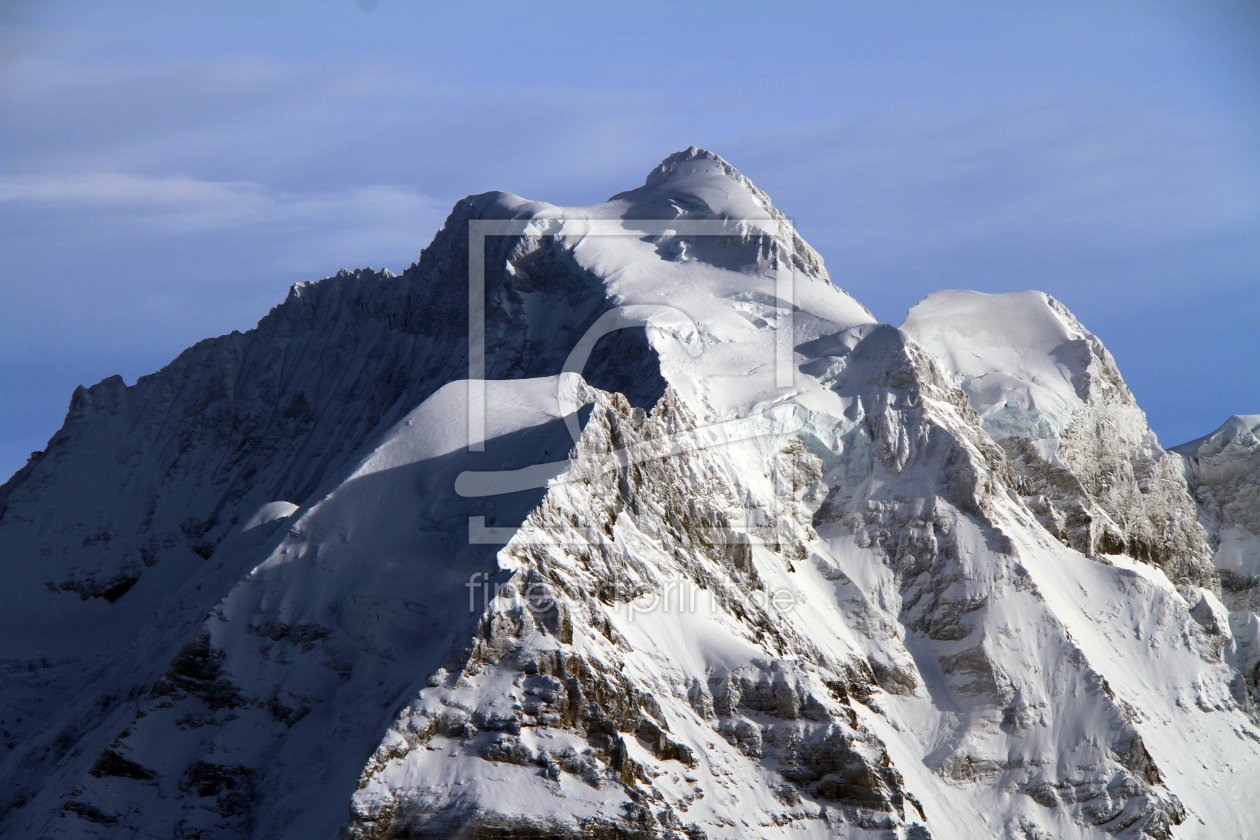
705 551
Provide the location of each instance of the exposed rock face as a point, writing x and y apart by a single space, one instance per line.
553 654
1091 468
797 709
799 574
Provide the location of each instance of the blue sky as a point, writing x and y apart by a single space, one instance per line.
169 169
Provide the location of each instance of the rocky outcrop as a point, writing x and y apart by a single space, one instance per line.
551 641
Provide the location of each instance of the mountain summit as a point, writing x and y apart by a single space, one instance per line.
629 523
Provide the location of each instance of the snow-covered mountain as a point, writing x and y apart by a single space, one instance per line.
780 570
1223 470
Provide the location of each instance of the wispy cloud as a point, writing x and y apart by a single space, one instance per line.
112 189
320 125
326 224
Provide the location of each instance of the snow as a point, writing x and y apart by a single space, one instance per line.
1237 426
270 512
1239 552
809 549
1223 470
1016 356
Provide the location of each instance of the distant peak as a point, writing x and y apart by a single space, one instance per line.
1235 425
1250 422
1238 426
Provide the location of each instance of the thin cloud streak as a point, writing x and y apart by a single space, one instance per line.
182 205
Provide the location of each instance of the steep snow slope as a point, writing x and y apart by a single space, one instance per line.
282 690
805 595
